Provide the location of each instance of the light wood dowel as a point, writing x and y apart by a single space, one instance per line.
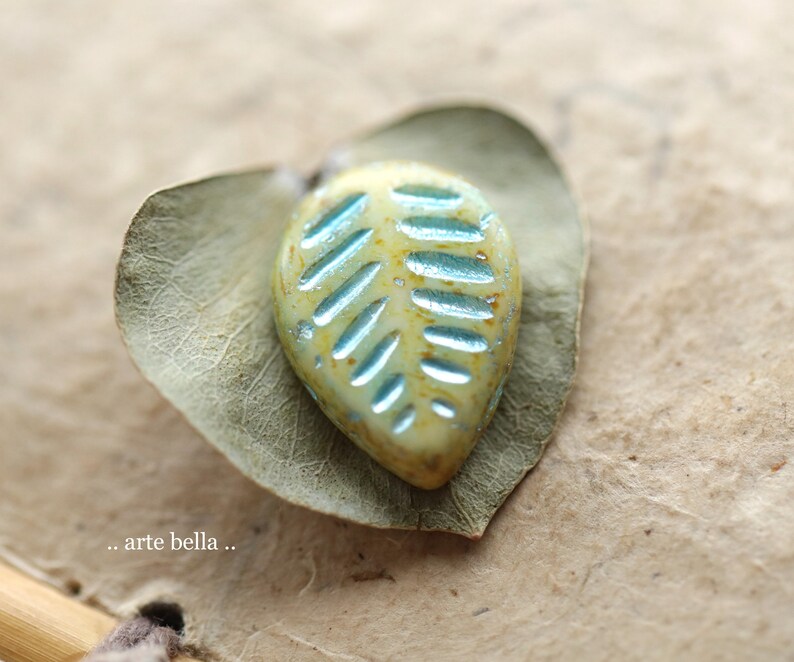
40 624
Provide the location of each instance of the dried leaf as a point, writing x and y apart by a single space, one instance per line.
193 304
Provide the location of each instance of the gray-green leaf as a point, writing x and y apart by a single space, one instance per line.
193 304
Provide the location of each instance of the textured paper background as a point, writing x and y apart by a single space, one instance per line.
657 526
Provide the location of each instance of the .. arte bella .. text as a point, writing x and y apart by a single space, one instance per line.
198 541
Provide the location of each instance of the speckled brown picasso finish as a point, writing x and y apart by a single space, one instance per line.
397 297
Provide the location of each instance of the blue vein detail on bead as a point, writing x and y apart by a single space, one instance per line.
443 408
388 393
439 228
404 419
421 195
334 219
452 304
375 360
333 259
358 329
452 337
429 264
445 371
344 295
446 266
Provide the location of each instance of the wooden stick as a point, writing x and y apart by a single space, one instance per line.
39 624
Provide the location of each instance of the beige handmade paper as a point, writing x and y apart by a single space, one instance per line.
658 524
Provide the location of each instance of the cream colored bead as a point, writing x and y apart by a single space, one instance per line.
397 296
